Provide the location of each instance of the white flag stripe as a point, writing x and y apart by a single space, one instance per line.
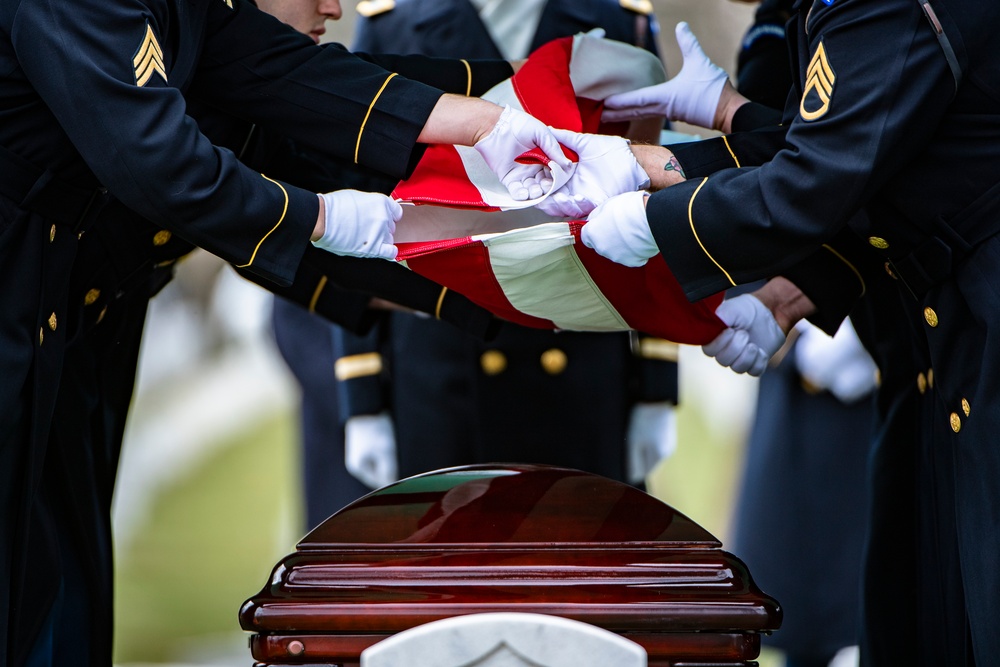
436 223
603 67
541 275
503 93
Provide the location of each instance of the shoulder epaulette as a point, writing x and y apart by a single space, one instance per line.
637 6
369 8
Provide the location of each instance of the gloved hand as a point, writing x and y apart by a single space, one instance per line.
692 96
515 133
360 224
606 168
752 338
370 449
618 230
651 437
839 364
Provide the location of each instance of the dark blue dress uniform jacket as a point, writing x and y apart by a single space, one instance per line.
528 395
93 134
800 518
890 165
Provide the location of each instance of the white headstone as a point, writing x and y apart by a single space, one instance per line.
506 639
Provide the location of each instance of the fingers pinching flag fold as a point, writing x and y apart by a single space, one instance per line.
465 231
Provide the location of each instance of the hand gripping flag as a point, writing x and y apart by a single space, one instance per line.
465 232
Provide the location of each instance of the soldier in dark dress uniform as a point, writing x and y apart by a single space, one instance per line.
800 517
885 190
99 159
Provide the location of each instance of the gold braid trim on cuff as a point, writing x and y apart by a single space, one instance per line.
284 211
357 146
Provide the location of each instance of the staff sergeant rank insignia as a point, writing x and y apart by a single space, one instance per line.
148 60
819 86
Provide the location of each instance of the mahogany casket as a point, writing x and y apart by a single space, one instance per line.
509 538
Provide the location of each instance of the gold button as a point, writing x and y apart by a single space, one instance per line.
104 311
52 233
878 242
52 321
91 296
930 378
966 408
931 317
922 383
956 422
493 362
809 387
41 335
554 361
162 237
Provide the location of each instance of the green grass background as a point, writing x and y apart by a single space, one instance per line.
209 544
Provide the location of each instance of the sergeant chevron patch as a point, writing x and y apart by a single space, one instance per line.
148 59
819 86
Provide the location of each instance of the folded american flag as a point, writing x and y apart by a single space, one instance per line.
466 232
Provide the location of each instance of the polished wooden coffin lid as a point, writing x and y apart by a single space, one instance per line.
507 538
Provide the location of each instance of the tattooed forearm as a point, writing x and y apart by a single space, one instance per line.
674 165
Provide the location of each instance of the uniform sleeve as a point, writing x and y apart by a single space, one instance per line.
458 76
100 67
834 276
359 369
655 372
742 149
323 279
872 96
325 98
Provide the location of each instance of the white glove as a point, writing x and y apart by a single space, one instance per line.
370 449
651 437
606 168
360 224
692 96
618 230
752 338
839 364
515 133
